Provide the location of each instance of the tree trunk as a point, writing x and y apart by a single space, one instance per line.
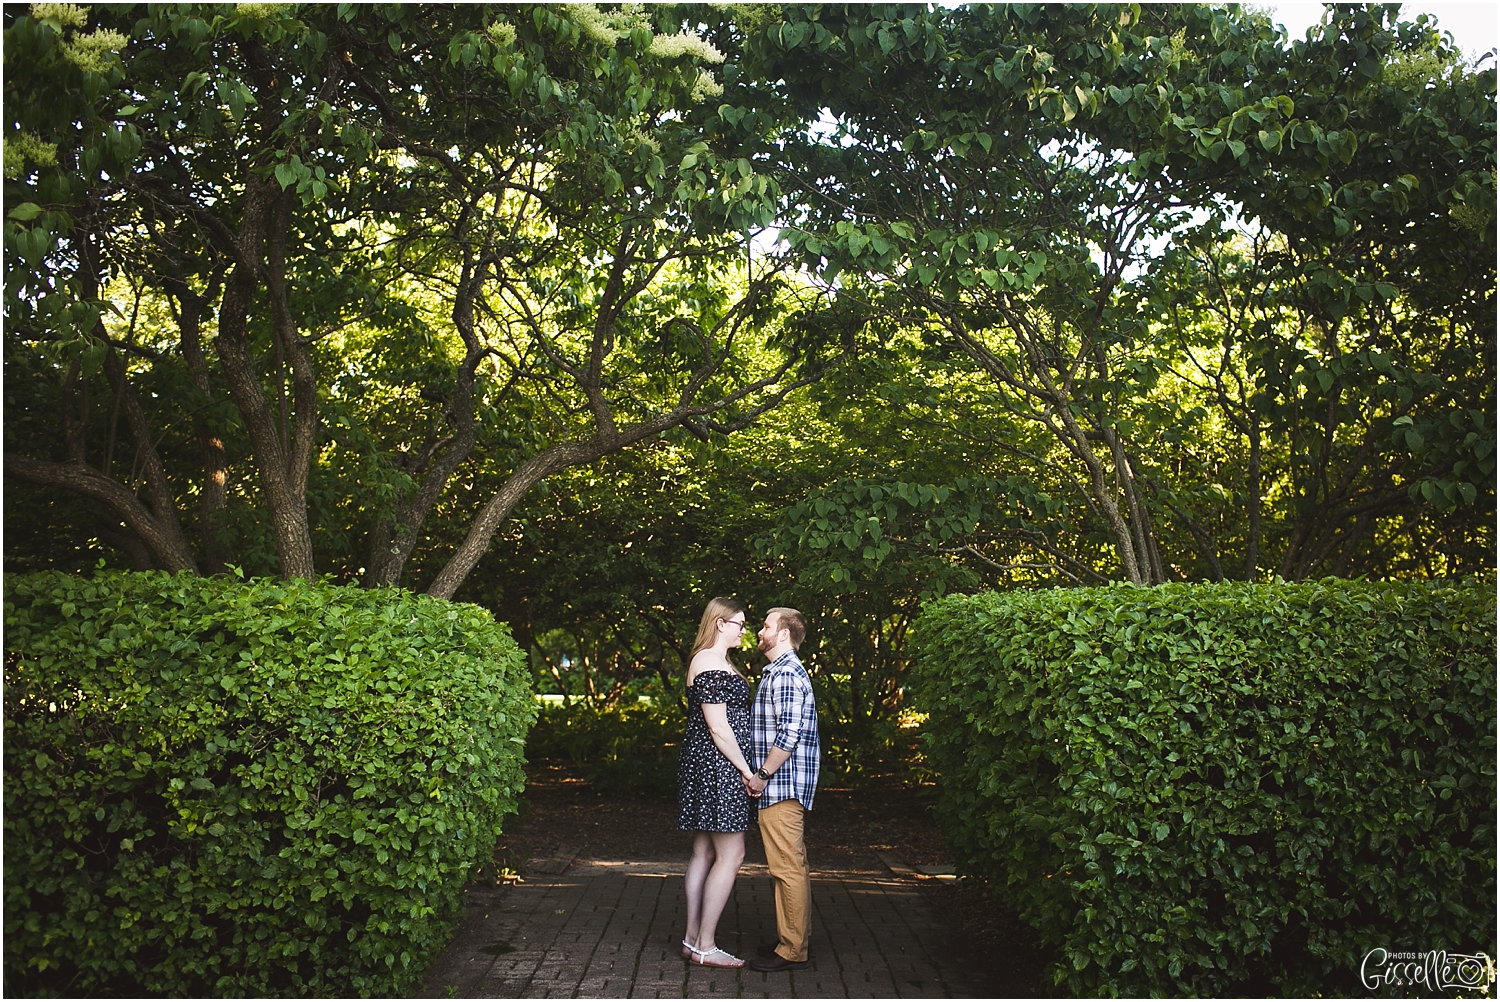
167 548
1346 553
608 437
380 551
281 466
73 430
1252 551
213 497
494 514
301 436
155 521
1302 530
394 540
159 498
128 542
1140 525
283 497
1103 496
543 464
1071 434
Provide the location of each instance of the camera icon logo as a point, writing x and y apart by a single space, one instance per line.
1436 970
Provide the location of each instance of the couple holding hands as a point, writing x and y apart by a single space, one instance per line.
717 782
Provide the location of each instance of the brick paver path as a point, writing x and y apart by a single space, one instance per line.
614 929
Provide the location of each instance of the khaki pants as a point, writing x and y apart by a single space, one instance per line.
786 856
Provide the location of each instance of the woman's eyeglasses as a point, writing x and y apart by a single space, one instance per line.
736 622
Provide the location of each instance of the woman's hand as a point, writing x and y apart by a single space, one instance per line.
717 718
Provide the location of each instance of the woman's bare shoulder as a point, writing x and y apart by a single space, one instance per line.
700 661
706 660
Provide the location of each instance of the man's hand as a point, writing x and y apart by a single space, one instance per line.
755 786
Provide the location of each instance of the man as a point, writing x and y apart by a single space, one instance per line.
784 739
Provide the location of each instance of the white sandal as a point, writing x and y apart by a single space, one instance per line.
687 950
700 957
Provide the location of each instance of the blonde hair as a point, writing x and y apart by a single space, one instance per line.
718 608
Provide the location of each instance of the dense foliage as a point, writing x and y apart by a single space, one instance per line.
588 312
216 788
1190 261
352 245
623 749
1222 789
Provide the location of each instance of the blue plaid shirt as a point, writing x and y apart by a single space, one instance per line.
784 716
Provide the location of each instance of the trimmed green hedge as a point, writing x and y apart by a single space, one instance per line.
216 787
1222 789
629 749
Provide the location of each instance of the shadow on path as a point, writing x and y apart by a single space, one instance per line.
610 924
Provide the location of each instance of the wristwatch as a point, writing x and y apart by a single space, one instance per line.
763 774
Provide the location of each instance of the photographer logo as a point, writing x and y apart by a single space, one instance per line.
1438 970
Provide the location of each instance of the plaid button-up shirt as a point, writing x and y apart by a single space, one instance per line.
784 717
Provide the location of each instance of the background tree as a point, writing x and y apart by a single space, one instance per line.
1083 286
1033 165
545 236
195 176
257 142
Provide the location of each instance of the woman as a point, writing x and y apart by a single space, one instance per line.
711 774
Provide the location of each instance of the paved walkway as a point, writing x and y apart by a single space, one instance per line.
602 929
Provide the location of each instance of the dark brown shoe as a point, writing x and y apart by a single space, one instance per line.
767 949
776 962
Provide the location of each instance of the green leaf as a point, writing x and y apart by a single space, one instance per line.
209 754
1254 713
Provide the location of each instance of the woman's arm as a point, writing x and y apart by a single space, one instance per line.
724 739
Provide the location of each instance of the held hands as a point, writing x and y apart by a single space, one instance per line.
775 758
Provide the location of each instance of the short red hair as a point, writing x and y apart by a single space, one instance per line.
792 621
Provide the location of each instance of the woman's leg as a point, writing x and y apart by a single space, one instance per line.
697 873
729 850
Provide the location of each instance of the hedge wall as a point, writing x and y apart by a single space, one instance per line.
629 749
1222 789
216 787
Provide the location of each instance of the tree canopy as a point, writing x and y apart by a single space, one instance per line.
589 312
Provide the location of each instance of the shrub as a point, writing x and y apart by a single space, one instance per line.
1222 789
623 749
215 787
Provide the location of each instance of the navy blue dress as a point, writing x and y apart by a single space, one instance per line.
710 794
